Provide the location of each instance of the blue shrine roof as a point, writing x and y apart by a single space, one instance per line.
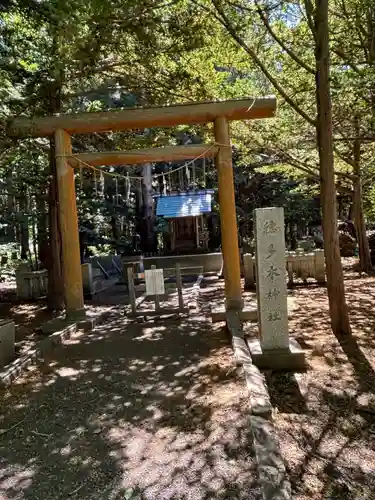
184 204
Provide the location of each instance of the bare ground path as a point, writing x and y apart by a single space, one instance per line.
325 417
155 409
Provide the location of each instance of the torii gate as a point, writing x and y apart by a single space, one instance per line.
63 126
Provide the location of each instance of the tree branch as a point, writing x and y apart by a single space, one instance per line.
290 52
310 17
224 21
347 60
345 159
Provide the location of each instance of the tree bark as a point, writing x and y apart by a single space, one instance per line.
11 227
147 235
335 278
55 298
360 226
42 222
358 212
24 225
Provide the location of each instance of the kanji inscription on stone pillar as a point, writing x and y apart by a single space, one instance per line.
271 282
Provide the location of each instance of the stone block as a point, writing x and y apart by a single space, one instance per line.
211 262
247 314
87 279
241 351
320 271
271 468
249 271
7 342
260 403
31 284
55 325
291 359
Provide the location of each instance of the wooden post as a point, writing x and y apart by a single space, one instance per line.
157 300
229 236
173 234
131 289
179 288
71 261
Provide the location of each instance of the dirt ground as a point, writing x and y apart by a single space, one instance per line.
325 417
151 410
157 407
29 317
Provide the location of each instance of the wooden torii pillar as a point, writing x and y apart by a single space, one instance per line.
62 126
228 218
71 258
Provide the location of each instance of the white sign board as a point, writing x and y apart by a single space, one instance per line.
271 282
154 282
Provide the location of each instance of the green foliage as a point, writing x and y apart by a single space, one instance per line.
68 56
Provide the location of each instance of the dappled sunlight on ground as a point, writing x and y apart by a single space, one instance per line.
154 407
326 417
157 408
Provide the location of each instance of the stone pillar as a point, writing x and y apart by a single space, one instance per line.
248 264
274 350
320 271
271 284
7 339
87 279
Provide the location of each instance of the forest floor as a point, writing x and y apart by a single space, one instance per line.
29 317
132 410
325 417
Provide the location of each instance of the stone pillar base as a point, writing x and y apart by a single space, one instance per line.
234 304
219 314
75 314
7 342
292 359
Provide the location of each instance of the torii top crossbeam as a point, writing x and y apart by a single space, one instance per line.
140 118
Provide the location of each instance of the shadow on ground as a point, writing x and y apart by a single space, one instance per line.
132 410
326 417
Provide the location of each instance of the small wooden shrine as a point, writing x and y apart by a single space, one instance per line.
186 213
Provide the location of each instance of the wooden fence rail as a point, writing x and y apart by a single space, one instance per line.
299 265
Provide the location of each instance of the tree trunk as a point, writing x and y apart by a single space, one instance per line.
24 225
335 278
34 230
359 219
11 228
360 226
55 282
115 232
42 222
371 55
147 235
